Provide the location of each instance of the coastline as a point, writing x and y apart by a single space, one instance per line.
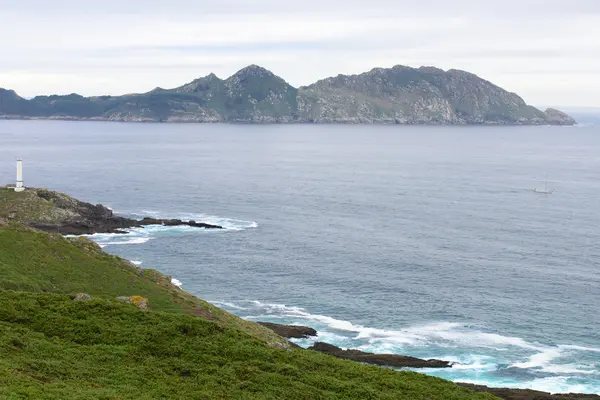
526 392
183 121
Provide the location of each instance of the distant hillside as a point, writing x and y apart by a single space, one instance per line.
398 95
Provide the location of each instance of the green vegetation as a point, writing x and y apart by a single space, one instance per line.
34 261
254 94
55 348
25 206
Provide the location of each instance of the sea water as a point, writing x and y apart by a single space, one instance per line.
425 241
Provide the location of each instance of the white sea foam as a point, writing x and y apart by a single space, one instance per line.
444 334
554 384
580 348
144 234
228 305
136 262
176 282
545 361
541 359
451 335
135 240
477 363
228 223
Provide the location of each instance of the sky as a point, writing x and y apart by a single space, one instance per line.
547 51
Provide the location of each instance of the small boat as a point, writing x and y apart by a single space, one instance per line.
544 190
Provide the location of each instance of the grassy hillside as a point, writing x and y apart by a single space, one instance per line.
28 206
55 348
34 261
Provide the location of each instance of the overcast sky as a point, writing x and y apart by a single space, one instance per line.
548 51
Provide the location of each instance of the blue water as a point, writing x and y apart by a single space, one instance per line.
426 241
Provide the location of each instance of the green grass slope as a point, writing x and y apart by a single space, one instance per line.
36 261
52 347
28 206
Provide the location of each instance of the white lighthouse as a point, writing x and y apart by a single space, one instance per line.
19 187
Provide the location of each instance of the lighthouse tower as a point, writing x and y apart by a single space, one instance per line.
19 187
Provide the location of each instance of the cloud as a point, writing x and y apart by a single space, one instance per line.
546 51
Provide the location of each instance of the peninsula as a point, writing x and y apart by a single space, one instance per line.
57 212
397 95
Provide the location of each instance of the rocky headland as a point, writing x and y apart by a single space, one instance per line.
57 212
397 95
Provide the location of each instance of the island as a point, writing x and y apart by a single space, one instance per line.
397 95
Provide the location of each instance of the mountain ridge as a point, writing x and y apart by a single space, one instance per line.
396 95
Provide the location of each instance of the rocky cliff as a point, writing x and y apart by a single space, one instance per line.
398 95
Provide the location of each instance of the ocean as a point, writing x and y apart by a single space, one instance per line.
418 240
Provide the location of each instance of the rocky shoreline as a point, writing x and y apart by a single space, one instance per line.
116 225
51 211
384 360
400 361
553 120
290 331
527 394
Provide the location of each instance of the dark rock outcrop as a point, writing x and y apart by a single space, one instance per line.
397 95
290 331
56 212
389 360
527 394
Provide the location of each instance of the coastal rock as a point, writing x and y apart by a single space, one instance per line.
56 212
290 331
3 222
527 394
82 297
389 360
397 95
139 301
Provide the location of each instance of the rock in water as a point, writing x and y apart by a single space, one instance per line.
290 331
389 360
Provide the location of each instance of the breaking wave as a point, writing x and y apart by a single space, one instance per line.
479 356
147 233
176 282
